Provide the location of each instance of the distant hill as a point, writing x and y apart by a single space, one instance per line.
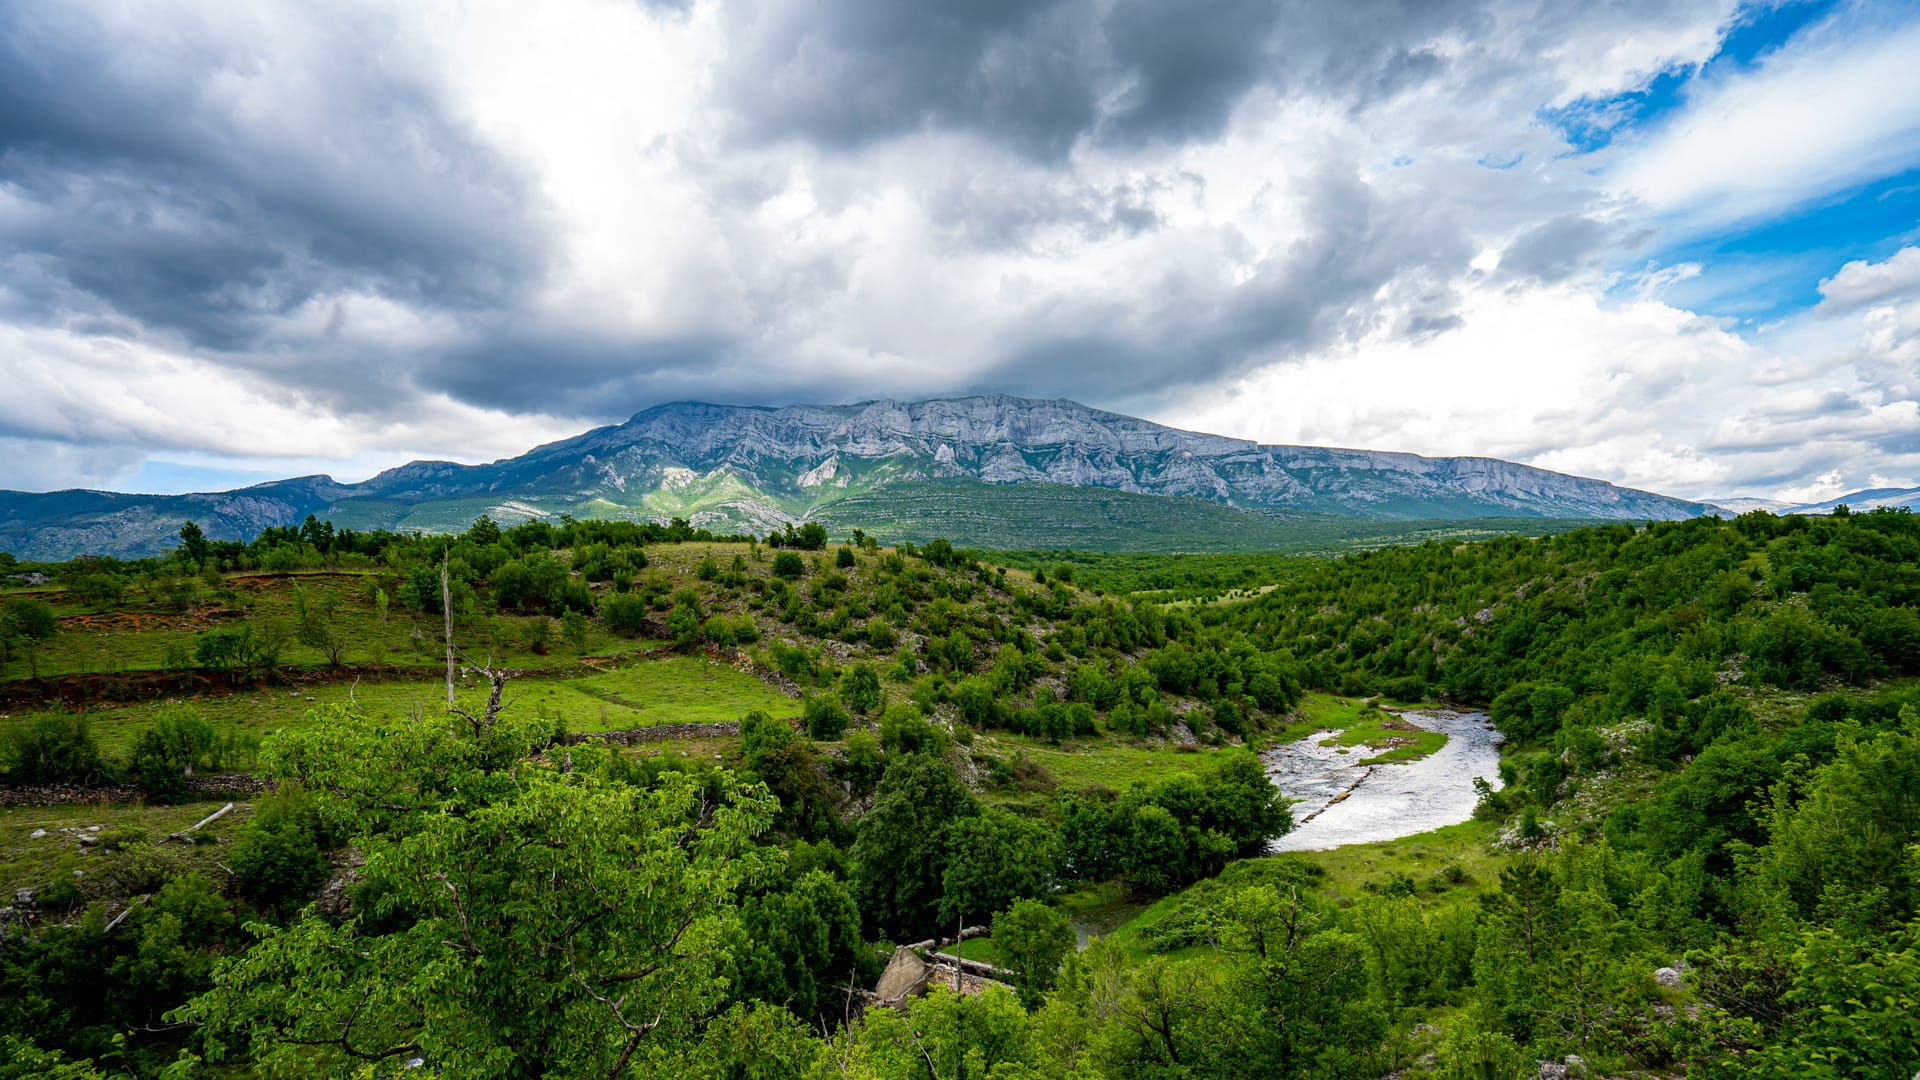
967 468
1869 499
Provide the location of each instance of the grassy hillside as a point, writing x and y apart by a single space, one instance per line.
1712 744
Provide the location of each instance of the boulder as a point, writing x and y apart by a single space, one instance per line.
905 977
1669 978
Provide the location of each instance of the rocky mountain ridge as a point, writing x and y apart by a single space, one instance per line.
755 468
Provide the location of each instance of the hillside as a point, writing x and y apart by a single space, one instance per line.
769 765
965 469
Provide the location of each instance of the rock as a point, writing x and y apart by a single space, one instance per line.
36 834
1576 1066
1552 1070
88 840
23 897
1669 978
906 976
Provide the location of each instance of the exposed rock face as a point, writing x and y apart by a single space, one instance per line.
752 468
1016 440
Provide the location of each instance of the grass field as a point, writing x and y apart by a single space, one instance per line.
1359 725
118 866
626 694
1099 763
146 634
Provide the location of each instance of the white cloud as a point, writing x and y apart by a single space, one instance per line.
1860 282
1324 239
1635 391
1836 106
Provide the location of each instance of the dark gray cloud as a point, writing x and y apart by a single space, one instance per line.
1187 330
844 74
202 186
1038 77
367 214
1556 250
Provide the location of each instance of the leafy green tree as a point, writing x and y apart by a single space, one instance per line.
1032 938
277 858
318 625
21 1060
901 847
100 590
683 622
525 921
802 945
993 859
54 748
25 623
573 627
625 613
193 541
789 565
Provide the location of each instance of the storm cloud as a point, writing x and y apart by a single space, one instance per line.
364 232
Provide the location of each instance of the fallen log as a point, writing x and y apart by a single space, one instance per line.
941 942
971 967
208 820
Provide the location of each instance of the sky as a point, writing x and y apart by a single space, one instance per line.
1674 245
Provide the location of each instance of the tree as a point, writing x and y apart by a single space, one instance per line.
802 944
901 847
860 689
55 748
24 624
167 752
560 923
573 627
194 542
788 564
1031 938
317 623
100 590
993 859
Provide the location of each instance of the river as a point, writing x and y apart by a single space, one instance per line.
1383 802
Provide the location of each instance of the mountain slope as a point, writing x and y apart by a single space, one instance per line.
755 468
1869 499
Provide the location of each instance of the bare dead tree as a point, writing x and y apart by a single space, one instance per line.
446 609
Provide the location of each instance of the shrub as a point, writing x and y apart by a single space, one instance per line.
903 731
625 613
277 857
826 718
56 748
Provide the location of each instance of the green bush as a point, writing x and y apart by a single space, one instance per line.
625 613
57 748
277 857
826 718
788 564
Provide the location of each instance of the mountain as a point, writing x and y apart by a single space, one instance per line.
1748 506
756 468
1869 499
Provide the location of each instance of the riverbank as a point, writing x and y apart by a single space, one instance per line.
1341 797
